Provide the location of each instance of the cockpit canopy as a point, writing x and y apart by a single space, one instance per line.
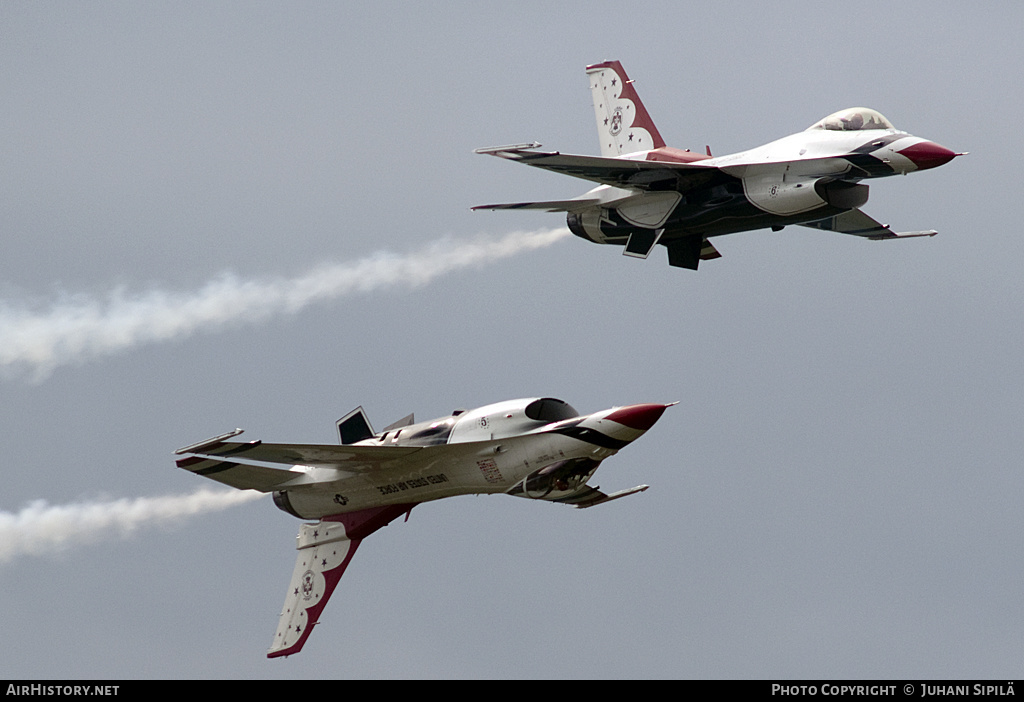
496 421
548 409
853 119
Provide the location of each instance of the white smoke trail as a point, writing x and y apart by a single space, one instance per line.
79 329
40 528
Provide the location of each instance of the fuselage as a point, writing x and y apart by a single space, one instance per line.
800 178
651 193
539 448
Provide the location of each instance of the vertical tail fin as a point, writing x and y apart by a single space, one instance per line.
623 124
325 550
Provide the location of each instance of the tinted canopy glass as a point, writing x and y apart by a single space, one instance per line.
853 119
548 409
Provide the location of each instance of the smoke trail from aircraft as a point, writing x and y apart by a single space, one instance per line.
42 529
78 329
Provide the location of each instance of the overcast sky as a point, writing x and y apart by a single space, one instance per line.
837 494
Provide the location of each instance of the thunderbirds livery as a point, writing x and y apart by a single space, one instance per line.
650 193
541 449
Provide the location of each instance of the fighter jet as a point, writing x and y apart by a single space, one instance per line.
538 448
652 194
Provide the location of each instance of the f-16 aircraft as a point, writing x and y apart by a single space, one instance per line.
652 194
540 448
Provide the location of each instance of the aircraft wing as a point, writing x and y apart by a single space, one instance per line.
549 206
225 461
310 454
620 172
859 224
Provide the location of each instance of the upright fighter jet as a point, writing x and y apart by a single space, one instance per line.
538 448
652 194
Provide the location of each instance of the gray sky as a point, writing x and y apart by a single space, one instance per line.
836 495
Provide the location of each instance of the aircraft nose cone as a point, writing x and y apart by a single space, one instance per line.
928 154
639 417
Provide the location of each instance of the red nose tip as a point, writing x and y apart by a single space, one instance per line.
639 417
928 154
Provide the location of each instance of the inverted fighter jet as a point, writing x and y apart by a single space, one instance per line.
541 449
652 194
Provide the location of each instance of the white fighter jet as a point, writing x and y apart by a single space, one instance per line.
652 194
539 448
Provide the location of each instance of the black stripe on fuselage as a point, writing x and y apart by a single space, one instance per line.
872 166
878 143
591 436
